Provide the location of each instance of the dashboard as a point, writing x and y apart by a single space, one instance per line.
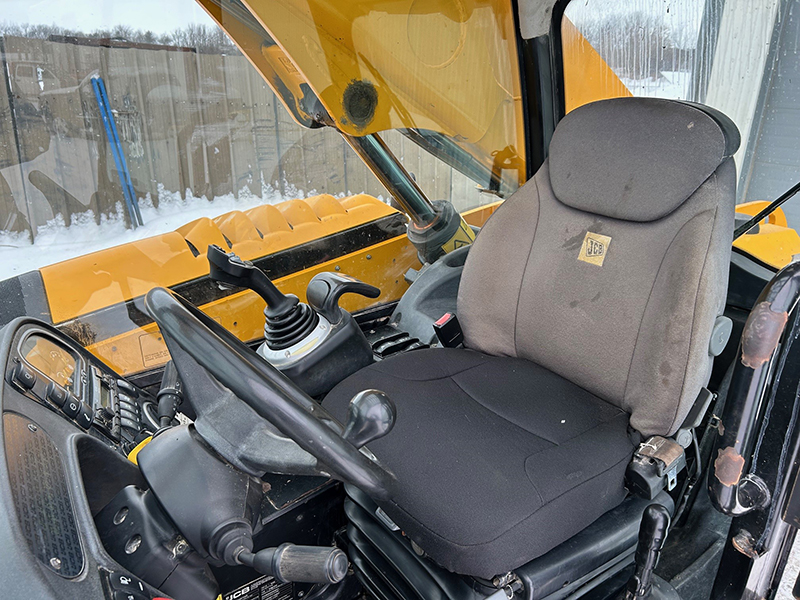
53 370
75 522
69 422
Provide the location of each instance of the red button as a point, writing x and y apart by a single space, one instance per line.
444 319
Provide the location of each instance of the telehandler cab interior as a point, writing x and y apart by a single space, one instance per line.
584 385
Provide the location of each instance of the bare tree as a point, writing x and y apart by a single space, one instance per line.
205 39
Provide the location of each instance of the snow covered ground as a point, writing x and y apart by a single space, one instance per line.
56 242
790 573
671 84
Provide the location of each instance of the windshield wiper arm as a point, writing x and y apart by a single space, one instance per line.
744 228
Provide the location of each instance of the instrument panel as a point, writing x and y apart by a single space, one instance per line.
50 358
55 371
69 423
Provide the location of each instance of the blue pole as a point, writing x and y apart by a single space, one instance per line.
124 162
114 153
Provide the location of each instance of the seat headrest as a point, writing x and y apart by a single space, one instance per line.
637 159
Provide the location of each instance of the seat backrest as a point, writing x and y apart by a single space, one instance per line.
611 265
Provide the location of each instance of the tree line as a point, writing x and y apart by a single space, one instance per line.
205 39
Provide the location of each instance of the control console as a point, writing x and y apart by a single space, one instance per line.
315 344
55 371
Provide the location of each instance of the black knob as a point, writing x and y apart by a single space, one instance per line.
325 289
652 535
370 416
303 564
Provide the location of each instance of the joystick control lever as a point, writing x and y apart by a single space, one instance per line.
229 269
325 289
288 320
316 345
652 535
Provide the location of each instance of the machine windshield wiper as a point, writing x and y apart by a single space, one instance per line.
769 209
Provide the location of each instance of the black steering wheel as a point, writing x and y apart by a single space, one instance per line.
273 396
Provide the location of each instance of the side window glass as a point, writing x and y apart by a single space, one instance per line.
737 57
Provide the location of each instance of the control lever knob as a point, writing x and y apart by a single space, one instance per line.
370 416
227 268
652 535
288 321
325 289
302 564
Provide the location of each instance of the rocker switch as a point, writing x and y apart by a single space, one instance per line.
72 407
24 376
126 587
57 394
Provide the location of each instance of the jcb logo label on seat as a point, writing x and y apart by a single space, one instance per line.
594 248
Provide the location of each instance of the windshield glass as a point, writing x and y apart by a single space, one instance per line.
132 138
194 131
445 69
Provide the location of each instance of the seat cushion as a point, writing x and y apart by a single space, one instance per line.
498 460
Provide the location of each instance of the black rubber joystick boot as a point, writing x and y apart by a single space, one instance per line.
288 320
287 327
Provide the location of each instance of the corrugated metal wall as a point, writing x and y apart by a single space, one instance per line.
772 164
202 124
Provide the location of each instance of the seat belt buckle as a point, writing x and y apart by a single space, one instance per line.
448 330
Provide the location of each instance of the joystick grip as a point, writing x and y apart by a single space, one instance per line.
288 320
227 268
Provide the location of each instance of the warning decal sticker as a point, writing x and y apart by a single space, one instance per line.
263 588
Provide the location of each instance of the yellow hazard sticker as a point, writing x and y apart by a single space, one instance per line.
464 236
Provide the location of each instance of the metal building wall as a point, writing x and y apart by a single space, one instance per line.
189 123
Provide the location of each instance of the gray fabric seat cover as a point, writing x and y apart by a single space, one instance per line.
508 448
636 330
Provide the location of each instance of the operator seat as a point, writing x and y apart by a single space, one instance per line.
587 304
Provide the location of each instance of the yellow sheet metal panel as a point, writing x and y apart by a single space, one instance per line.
776 217
325 205
775 243
478 216
269 219
587 77
235 225
100 279
202 232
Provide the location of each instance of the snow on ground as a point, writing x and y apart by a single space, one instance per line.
55 242
670 84
790 573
